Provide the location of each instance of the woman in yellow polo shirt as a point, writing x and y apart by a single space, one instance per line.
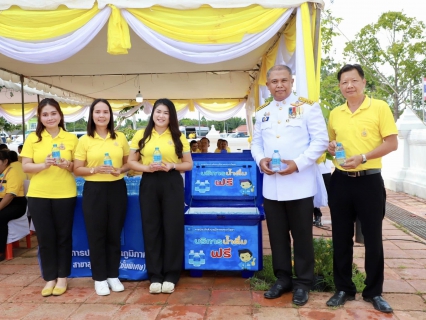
161 194
13 204
52 194
104 193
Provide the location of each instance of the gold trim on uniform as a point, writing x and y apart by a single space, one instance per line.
307 101
263 106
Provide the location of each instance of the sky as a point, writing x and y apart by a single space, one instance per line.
356 14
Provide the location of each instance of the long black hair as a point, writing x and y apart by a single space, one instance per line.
173 126
41 105
91 126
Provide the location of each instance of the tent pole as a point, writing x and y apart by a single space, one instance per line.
21 77
317 35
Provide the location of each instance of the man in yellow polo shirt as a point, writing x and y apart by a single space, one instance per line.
366 129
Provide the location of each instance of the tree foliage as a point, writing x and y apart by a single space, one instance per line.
393 54
330 96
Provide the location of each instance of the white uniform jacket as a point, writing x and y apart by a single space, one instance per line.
301 137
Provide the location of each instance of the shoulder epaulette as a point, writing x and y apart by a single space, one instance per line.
307 101
263 106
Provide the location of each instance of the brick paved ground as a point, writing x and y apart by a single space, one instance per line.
222 295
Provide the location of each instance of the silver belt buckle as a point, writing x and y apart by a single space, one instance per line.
352 174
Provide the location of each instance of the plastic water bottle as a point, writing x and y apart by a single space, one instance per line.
340 154
157 156
196 259
276 161
80 184
56 154
202 257
191 257
107 159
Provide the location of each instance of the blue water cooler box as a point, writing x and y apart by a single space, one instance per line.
223 214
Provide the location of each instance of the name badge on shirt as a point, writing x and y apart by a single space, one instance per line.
62 146
266 116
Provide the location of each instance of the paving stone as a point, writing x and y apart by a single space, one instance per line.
196 283
410 315
182 312
132 312
6 292
19 280
267 313
189 296
370 314
403 263
52 311
409 273
231 283
418 285
326 314
112 298
230 298
397 286
285 301
229 312
95 311
142 296
410 302
11 311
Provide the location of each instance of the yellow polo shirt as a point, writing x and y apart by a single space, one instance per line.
13 180
164 142
92 150
53 182
361 131
228 150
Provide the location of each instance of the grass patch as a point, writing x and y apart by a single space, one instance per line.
323 270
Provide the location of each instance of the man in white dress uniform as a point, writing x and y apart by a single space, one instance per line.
296 128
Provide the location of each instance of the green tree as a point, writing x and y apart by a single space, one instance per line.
330 96
393 54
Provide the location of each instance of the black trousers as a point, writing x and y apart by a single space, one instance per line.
53 220
295 217
326 177
104 210
363 197
14 210
161 196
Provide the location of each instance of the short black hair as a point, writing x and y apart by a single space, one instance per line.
350 67
20 146
13 156
4 146
193 142
205 138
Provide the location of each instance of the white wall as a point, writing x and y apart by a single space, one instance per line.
405 169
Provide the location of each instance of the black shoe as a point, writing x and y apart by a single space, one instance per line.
339 299
379 304
317 221
300 297
276 291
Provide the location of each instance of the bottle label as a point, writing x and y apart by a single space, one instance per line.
56 155
108 162
276 164
340 154
157 158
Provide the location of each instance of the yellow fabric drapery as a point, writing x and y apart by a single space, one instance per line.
218 105
25 25
268 61
179 104
313 92
118 33
15 109
207 25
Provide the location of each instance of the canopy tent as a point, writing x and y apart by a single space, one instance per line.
210 56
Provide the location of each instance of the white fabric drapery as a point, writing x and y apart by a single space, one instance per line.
222 115
17 119
203 54
187 4
58 49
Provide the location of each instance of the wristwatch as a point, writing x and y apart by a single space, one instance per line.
92 170
364 158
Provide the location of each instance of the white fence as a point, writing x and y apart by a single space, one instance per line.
404 170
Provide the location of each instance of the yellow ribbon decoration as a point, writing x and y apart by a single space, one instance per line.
118 33
207 25
26 25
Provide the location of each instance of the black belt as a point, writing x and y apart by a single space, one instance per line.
354 174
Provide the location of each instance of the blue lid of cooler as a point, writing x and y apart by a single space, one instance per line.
223 180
